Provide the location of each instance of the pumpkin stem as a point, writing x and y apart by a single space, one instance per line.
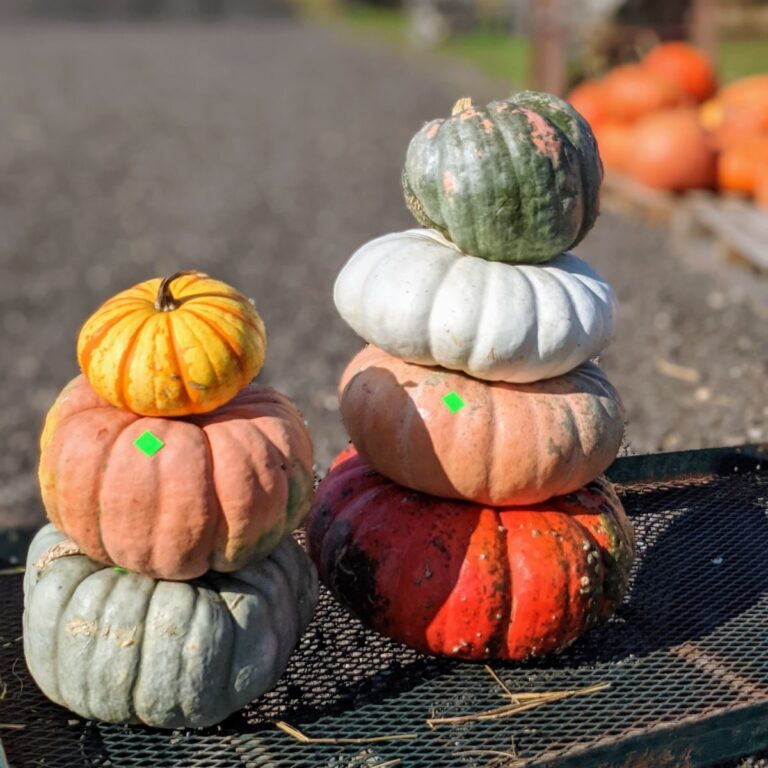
461 105
165 301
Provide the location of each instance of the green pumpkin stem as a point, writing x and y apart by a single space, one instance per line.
461 105
165 301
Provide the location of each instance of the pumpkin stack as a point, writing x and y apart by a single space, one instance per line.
470 518
168 591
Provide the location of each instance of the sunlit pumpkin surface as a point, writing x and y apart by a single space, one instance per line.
509 444
465 580
118 646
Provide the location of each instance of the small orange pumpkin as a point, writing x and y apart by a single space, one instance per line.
186 344
670 151
688 67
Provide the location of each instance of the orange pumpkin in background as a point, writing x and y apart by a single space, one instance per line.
737 166
670 150
761 186
688 67
632 91
751 89
588 100
614 143
731 124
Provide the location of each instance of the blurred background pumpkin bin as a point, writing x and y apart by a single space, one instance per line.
167 575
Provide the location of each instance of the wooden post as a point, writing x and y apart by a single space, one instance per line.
549 46
702 25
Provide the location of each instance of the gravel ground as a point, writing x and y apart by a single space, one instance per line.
264 153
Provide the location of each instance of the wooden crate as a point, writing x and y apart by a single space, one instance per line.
738 229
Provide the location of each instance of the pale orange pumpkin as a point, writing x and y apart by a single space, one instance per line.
507 443
186 344
670 151
224 488
685 65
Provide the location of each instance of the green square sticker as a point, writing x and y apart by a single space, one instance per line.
453 402
148 443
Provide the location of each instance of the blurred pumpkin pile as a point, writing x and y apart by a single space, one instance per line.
470 519
167 590
665 123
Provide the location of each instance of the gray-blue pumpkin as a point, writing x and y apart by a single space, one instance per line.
125 648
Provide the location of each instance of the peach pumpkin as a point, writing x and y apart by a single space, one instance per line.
224 489
508 444
670 151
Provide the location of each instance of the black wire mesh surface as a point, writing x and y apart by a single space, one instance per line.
688 649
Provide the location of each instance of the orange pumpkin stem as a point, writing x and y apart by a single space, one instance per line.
461 105
165 301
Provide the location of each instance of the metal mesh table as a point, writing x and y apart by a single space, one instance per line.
686 657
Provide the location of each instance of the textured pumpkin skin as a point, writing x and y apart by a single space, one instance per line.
225 488
418 297
126 648
669 150
514 181
509 444
191 359
464 580
686 66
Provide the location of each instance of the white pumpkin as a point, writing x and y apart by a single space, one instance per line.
415 295
127 648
